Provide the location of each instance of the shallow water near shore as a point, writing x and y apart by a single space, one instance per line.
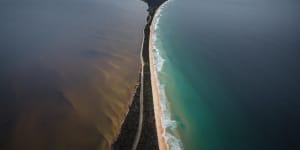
229 73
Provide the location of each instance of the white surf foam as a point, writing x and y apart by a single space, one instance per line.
174 143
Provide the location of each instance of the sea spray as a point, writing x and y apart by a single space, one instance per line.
174 143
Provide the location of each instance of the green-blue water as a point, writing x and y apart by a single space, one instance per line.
229 73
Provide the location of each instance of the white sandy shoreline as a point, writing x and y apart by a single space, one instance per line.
156 98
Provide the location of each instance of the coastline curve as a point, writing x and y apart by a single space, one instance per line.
162 113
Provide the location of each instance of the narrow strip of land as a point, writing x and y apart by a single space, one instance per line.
138 133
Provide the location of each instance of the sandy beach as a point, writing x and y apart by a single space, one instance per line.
156 99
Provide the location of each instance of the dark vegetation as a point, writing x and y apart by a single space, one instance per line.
130 125
148 139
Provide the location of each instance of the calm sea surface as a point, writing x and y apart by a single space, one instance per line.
67 71
229 73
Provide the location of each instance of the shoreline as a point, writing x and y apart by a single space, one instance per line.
151 136
156 98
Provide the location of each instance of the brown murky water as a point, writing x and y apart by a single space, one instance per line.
67 71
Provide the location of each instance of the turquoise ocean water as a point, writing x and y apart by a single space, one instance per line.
228 73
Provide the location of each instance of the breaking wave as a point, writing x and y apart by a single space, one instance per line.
173 142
